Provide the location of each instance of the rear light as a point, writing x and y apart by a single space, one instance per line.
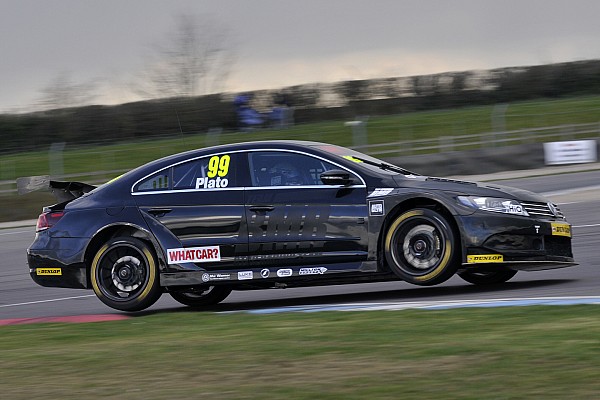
48 220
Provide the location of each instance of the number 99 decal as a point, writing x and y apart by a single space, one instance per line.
218 168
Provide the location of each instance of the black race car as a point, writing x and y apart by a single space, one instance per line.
279 214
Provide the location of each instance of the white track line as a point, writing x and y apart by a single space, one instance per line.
47 301
14 233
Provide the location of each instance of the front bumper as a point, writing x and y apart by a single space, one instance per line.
514 242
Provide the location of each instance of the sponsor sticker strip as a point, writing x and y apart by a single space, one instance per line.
376 208
561 229
48 271
380 192
485 258
312 271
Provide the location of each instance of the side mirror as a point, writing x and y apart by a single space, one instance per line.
336 177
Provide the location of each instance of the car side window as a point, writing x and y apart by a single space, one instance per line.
158 181
211 172
278 168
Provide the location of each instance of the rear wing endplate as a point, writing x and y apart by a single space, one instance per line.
63 191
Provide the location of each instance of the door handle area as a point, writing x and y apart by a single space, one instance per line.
261 208
159 212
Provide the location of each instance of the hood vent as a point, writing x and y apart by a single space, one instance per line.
433 178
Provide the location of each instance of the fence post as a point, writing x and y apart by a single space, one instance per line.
498 121
446 143
359 131
213 137
55 159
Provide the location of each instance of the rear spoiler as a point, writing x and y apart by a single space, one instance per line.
63 191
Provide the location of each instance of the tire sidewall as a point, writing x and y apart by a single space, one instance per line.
447 265
151 290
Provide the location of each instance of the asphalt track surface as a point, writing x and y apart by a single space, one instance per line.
577 193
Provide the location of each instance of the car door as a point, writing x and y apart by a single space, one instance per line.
200 202
295 219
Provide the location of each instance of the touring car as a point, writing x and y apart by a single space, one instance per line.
279 214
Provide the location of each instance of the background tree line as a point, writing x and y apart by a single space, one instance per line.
190 114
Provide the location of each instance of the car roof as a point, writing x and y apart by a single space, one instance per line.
273 144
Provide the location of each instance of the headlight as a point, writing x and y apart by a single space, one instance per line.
493 204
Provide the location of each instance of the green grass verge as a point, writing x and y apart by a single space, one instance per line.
505 353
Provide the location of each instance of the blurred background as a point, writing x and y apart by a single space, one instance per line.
93 89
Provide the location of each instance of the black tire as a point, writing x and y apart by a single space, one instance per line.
487 277
124 274
421 247
200 297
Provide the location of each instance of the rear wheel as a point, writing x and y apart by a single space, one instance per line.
202 296
420 247
124 274
487 277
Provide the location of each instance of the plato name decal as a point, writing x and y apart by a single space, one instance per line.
194 254
48 271
207 183
485 258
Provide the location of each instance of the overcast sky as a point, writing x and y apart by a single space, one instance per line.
286 42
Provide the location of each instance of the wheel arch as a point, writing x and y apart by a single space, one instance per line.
409 204
115 230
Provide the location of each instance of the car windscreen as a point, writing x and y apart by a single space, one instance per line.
365 161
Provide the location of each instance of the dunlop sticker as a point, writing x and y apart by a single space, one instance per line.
485 258
561 229
48 271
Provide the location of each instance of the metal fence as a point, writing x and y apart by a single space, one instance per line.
482 140
107 158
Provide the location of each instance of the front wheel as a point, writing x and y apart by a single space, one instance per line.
487 277
202 296
421 248
124 274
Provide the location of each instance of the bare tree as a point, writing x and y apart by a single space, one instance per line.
63 92
195 59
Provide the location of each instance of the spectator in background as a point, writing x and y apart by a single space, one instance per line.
280 116
248 117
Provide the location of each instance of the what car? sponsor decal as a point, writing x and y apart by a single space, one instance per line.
561 229
194 254
312 271
48 271
244 275
485 258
